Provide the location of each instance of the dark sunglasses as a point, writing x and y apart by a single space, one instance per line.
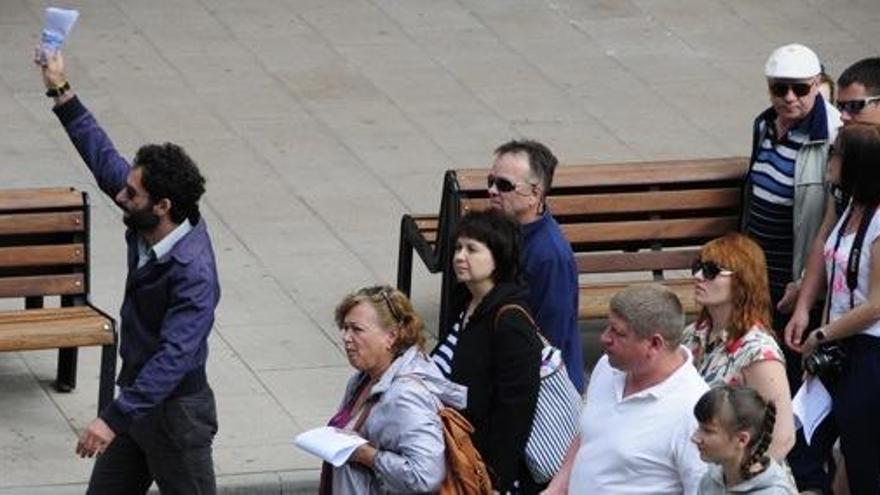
710 269
780 89
853 107
502 184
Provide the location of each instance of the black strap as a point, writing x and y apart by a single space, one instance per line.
852 264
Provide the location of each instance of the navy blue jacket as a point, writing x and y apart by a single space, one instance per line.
552 276
168 308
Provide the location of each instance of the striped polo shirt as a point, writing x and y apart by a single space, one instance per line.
772 179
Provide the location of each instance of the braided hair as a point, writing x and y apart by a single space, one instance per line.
742 409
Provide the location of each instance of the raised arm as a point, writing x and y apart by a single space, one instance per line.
94 146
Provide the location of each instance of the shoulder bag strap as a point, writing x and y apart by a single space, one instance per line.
517 307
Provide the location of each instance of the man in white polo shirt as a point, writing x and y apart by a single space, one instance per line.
636 425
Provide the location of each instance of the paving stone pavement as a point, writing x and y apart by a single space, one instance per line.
318 123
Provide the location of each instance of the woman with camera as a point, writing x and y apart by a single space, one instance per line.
731 341
845 352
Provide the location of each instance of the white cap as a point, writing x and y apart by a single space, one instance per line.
792 61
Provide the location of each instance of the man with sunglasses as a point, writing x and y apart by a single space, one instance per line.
518 184
858 96
785 196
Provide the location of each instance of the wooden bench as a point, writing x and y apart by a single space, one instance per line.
44 252
626 222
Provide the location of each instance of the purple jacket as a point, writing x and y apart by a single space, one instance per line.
168 308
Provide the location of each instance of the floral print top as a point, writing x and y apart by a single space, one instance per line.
720 362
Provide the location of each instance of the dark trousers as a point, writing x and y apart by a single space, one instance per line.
170 445
856 409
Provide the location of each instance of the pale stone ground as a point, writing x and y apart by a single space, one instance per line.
318 123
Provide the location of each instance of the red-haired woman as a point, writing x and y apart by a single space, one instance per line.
731 341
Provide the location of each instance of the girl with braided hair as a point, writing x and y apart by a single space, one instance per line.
735 430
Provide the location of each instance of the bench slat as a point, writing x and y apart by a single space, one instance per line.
594 298
42 285
635 262
40 198
41 223
52 255
627 173
636 202
427 223
54 328
649 230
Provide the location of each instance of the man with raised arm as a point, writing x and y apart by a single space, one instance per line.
161 425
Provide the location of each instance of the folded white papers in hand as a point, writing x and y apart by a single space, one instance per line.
811 404
331 444
58 24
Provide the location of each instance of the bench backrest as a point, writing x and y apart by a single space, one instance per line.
629 217
44 248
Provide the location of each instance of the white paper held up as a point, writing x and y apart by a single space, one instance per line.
58 24
331 444
811 404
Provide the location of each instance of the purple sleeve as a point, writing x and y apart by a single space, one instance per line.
94 146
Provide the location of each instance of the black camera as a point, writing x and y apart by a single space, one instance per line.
826 363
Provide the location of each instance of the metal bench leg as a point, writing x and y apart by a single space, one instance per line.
404 265
108 375
66 378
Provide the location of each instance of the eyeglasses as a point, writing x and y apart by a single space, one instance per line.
800 89
502 184
853 107
710 269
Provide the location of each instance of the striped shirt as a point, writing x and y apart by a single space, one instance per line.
444 353
771 217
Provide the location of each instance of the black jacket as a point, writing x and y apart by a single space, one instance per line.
500 367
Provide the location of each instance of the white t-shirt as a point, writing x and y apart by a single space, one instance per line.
639 444
840 302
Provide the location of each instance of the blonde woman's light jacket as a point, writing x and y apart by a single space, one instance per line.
404 426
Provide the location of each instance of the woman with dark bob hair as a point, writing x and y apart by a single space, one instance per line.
391 401
852 268
495 354
731 341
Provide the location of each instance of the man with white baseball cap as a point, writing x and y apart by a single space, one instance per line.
784 194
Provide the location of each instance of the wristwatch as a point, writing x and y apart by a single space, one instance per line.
820 334
58 90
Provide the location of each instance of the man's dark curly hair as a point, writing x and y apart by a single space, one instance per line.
168 172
